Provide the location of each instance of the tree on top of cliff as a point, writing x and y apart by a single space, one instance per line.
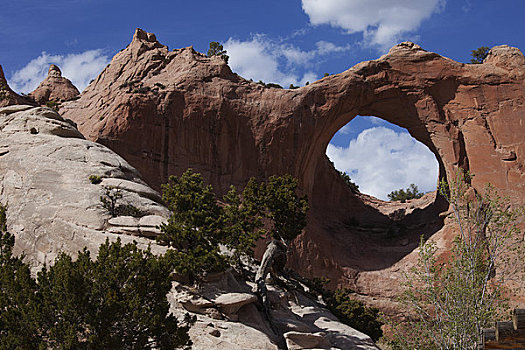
479 55
216 49
402 195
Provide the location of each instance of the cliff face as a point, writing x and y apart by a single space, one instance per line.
9 97
54 88
165 111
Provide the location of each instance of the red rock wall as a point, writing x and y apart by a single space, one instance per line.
165 111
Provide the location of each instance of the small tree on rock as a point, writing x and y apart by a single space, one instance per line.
402 195
195 227
479 55
286 212
216 49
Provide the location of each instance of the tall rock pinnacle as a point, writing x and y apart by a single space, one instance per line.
54 88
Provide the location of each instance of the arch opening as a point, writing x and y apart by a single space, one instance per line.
381 157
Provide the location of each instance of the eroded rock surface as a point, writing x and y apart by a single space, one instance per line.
299 322
54 88
45 165
8 97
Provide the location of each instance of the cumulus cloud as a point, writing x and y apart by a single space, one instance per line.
79 68
275 62
382 22
381 160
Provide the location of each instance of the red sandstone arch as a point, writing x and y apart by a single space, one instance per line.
204 116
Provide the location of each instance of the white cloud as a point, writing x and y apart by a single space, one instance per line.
382 22
79 68
274 62
381 160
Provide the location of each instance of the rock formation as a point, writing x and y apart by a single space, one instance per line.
165 111
45 165
9 97
52 179
54 88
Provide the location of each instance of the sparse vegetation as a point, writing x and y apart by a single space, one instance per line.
142 90
353 187
269 85
53 104
111 201
354 313
479 55
343 304
402 195
95 179
452 301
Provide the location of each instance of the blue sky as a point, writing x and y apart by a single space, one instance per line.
285 41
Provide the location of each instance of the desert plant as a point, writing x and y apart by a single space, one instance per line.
452 301
479 55
95 179
110 198
351 185
355 313
402 195
216 49
53 104
194 228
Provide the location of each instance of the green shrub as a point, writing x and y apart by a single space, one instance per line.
411 192
53 104
351 185
141 90
95 179
216 49
117 301
194 228
354 313
479 55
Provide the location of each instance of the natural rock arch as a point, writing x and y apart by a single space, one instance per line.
165 111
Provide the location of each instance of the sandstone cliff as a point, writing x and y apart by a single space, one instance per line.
54 87
165 111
